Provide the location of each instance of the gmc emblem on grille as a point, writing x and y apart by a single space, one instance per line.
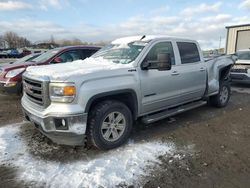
27 88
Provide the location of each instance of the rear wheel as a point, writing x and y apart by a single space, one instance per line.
221 99
109 124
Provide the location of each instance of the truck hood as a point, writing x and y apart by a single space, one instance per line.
62 72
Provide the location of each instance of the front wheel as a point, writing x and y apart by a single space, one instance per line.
221 99
109 124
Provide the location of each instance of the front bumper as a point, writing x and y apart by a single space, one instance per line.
13 89
71 132
240 77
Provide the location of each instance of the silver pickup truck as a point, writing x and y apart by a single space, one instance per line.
145 78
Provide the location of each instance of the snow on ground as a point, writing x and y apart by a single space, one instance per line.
244 89
123 165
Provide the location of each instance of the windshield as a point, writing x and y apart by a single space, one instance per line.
244 55
26 58
121 53
46 56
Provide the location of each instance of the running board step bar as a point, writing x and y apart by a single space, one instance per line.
167 113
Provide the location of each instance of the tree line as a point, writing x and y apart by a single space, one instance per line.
13 40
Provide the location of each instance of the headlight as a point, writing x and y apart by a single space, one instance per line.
14 72
62 92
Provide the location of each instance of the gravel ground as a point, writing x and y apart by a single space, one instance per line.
7 60
212 146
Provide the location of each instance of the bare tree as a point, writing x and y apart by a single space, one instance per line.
2 42
76 41
65 42
52 40
14 41
11 38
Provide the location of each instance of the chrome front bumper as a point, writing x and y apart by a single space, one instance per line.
64 129
240 77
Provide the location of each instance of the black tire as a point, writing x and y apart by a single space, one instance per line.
221 99
98 114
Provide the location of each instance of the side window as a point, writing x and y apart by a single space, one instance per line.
70 56
88 53
161 47
189 52
243 55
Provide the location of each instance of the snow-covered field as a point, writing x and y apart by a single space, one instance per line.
123 166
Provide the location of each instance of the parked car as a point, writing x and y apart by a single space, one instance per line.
241 70
22 60
26 52
3 53
13 53
146 77
11 74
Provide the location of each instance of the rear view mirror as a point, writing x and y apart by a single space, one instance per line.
57 60
163 61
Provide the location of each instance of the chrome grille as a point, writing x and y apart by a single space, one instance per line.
36 91
239 70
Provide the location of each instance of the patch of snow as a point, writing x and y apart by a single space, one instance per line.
244 90
106 169
79 67
126 40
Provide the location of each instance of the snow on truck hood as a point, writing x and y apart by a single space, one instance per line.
79 67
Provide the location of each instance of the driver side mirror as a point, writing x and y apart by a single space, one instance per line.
57 60
163 61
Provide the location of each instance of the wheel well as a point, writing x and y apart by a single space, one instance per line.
224 73
128 98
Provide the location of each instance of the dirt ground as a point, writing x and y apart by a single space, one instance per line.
214 143
7 60
10 109
221 140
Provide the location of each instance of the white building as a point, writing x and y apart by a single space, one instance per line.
238 38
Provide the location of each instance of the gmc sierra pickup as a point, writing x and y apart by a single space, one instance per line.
145 78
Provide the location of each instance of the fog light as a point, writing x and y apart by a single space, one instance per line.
61 124
10 84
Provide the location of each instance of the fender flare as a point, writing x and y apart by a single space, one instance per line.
115 93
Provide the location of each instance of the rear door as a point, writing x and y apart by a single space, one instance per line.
192 71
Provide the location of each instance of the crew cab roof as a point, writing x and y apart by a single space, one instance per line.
145 38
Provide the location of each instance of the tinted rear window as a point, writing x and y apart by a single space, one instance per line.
243 55
88 52
189 52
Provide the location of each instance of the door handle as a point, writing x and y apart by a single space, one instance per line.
175 73
202 69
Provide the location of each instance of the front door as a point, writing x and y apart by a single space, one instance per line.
160 89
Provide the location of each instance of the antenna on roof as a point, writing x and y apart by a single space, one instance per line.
143 37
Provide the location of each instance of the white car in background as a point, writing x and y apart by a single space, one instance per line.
241 70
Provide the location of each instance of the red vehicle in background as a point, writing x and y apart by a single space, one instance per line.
25 52
11 74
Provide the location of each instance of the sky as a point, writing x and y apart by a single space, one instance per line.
105 20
